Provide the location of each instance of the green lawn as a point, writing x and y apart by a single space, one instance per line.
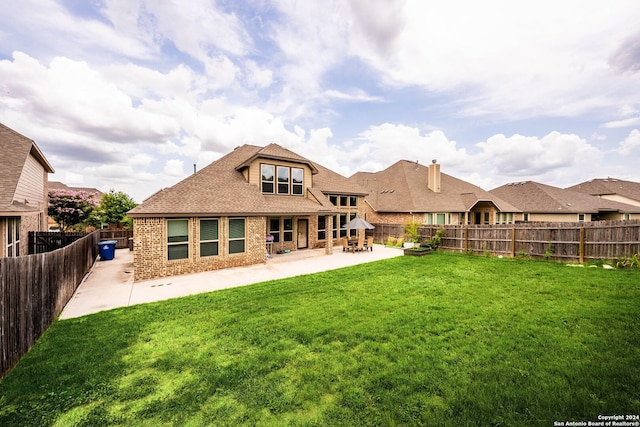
447 339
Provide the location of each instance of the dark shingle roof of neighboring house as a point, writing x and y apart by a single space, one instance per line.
15 149
221 189
530 196
403 187
609 186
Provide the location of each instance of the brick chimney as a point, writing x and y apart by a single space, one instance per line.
434 177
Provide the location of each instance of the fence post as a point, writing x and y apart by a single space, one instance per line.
513 242
581 245
465 231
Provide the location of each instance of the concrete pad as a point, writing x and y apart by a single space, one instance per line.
110 284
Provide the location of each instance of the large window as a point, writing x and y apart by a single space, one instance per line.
209 237
267 172
13 237
177 239
281 180
236 235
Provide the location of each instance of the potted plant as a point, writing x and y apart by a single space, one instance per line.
411 235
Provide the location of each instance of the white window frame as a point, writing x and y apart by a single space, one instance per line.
209 241
177 243
242 239
263 181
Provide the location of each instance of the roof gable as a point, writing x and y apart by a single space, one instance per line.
16 148
530 196
403 187
276 152
609 186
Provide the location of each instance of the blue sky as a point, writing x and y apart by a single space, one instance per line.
129 94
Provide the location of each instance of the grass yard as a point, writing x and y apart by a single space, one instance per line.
447 339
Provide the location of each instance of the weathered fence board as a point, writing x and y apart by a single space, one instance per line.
46 241
121 236
600 240
33 291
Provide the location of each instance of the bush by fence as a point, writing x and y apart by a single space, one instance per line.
33 291
599 240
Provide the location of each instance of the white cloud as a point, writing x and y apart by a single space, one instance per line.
553 158
174 167
633 121
631 143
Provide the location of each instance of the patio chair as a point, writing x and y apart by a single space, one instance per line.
369 244
360 246
345 245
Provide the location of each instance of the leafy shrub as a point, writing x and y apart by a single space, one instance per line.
632 261
436 240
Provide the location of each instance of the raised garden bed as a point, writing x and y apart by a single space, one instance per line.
421 251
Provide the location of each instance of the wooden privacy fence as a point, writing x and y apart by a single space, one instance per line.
46 241
120 235
33 291
600 240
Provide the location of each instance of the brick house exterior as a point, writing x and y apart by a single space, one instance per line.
410 192
232 212
24 173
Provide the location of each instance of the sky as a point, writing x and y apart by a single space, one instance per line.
131 94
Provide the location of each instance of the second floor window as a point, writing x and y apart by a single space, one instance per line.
283 180
267 173
297 176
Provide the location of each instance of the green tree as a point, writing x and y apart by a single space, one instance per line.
71 209
114 207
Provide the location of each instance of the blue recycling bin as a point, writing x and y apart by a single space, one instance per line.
107 250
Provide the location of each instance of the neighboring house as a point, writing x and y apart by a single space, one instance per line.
540 202
410 192
614 189
55 185
23 191
227 214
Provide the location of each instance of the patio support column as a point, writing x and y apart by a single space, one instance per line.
328 248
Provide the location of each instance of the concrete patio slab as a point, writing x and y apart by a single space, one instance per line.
110 284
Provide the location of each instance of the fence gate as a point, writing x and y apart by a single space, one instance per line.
45 241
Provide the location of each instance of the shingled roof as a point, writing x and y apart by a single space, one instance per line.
531 196
403 187
221 189
609 186
15 149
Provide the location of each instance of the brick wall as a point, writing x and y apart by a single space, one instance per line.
150 248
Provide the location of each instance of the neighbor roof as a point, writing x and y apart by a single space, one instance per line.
609 186
221 189
530 196
403 187
15 149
